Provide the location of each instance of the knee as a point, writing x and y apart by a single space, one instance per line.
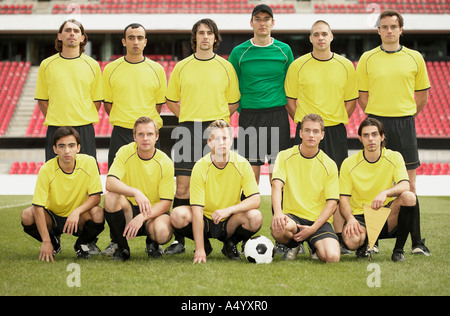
333 256
163 232
27 217
97 214
354 242
255 220
180 216
278 236
408 198
111 202
328 250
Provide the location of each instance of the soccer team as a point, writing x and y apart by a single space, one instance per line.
318 192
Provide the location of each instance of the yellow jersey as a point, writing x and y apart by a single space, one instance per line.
322 87
363 180
62 192
71 86
134 89
204 88
154 177
215 188
308 182
391 78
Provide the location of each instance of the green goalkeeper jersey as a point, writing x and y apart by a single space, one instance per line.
261 71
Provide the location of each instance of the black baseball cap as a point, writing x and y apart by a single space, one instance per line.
262 7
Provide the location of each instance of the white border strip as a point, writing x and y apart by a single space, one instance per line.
24 185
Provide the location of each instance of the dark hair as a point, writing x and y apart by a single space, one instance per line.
64 131
212 26
133 26
390 12
58 43
370 121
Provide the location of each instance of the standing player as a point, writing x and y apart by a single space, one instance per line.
140 188
207 88
393 88
261 64
134 86
376 176
69 88
216 209
66 199
306 80
305 194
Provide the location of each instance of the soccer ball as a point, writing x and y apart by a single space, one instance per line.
259 249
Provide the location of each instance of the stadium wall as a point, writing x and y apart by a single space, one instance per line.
24 185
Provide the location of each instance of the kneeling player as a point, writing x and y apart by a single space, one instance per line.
305 192
140 188
216 211
376 176
66 198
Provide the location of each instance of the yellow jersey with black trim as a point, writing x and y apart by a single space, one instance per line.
322 87
71 86
134 89
391 78
204 88
154 177
308 182
363 180
62 192
214 188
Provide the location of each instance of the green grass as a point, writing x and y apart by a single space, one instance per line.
23 274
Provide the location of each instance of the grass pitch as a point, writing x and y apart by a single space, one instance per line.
23 274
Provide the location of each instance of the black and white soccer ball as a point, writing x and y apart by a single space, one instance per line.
259 249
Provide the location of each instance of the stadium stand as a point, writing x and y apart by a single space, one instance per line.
12 79
16 8
229 6
404 6
431 123
169 6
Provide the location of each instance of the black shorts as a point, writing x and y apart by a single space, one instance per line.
121 136
401 136
217 231
58 223
210 230
325 231
191 145
334 143
143 230
87 140
263 134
